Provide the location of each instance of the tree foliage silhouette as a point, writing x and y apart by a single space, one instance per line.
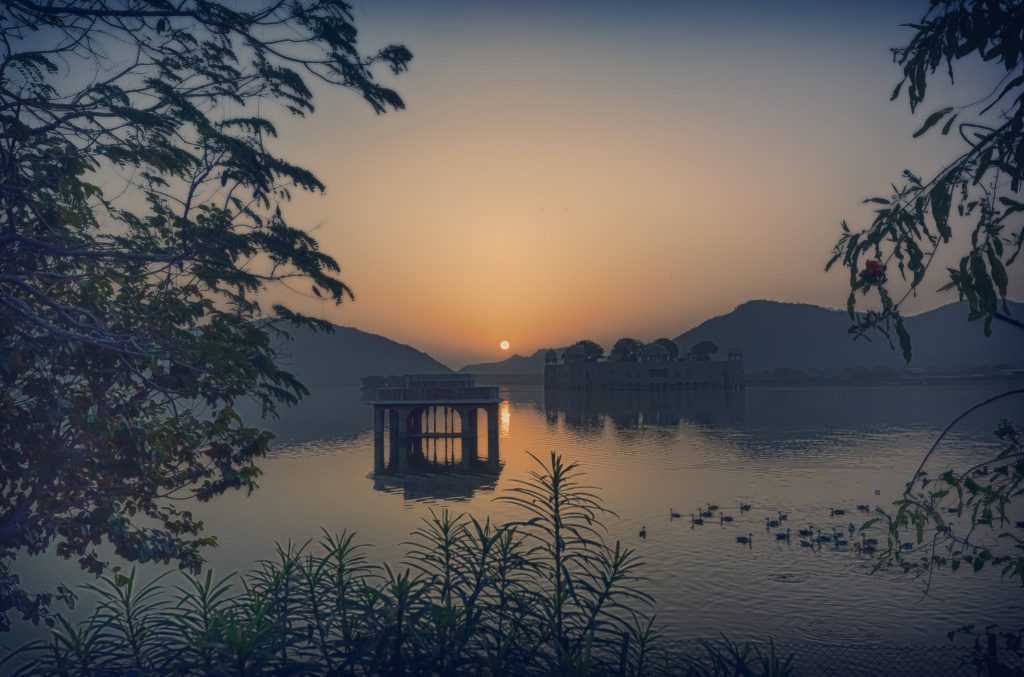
979 190
584 351
703 350
671 346
140 220
626 350
954 518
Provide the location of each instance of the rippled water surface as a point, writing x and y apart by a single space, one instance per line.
798 450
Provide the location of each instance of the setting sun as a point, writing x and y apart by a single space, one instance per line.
271 328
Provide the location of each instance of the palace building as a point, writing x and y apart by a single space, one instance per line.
652 368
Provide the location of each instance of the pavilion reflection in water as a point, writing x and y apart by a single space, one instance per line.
429 436
636 409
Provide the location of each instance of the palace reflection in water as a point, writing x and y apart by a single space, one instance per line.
437 436
635 409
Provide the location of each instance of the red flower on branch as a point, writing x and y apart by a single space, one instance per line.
874 272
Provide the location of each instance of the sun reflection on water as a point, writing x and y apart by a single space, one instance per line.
505 418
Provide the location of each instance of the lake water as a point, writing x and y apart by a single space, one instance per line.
798 450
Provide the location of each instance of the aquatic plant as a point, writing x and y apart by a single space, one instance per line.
726 657
133 268
542 595
960 519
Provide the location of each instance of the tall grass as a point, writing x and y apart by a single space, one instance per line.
542 595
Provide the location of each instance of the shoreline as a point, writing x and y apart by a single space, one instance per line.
761 382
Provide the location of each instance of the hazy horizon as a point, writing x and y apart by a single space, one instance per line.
998 330
580 170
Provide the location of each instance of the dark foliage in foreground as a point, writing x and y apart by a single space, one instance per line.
977 192
961 519
541 596
143 213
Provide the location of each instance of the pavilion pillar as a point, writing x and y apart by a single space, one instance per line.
492 433
469 431
378 439
415 440
393 437
403 439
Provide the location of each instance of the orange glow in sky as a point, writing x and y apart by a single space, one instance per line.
607 174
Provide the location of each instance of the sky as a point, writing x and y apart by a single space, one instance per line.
569 170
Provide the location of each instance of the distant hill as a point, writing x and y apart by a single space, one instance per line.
774 334
347 355
517 364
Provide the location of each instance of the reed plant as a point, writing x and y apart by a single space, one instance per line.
545 594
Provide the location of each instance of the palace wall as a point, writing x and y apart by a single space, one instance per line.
667 375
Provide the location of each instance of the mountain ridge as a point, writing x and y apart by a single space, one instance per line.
774 334
778 334
313 357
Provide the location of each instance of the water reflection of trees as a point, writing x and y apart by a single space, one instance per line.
329 413
822 421
631 410
795 421
759 421
334 412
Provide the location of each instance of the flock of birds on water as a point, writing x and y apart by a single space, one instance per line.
810 537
